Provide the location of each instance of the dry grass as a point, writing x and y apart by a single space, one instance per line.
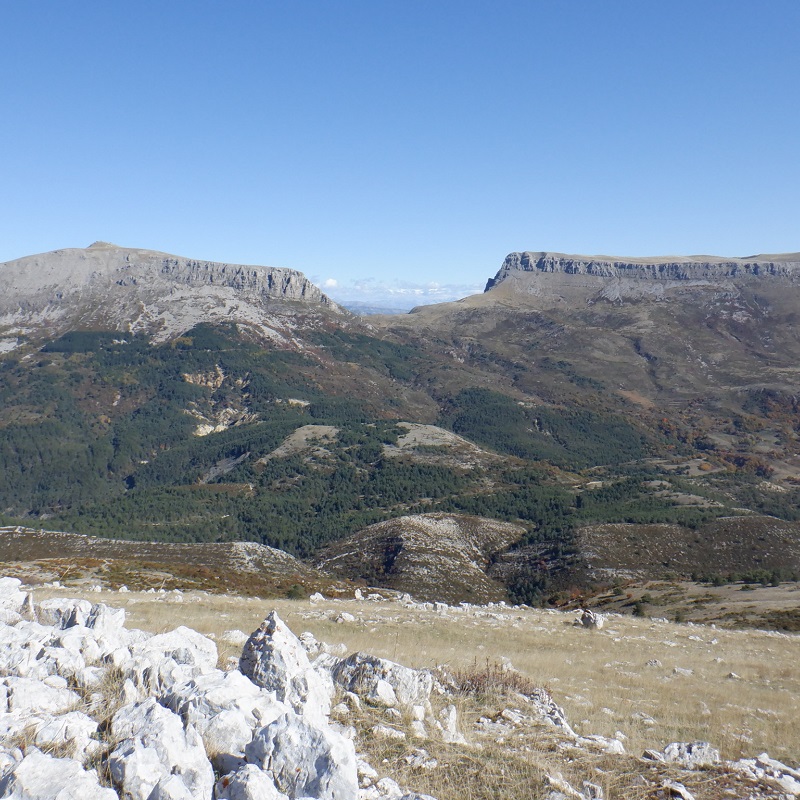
601 678
488 680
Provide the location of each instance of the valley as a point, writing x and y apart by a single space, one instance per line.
626 421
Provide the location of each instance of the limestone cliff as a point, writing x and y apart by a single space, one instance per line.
119 288
664 269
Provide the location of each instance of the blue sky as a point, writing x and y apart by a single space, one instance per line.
400 142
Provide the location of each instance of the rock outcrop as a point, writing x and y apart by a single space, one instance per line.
154 715
666 268
107 287
91 710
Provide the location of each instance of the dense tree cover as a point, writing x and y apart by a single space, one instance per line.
397 360
56 452
140 472
287 502
572 438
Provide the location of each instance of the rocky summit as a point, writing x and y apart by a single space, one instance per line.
662 268
108 287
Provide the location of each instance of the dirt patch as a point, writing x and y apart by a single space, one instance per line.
302 439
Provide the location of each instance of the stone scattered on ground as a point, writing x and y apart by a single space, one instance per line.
86 702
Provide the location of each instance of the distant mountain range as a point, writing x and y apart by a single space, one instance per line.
150 396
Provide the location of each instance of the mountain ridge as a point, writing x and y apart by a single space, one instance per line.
665 268
112 287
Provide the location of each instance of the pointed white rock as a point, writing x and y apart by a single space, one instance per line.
275 659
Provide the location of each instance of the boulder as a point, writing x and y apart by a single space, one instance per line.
73 733
247 783
448 725
183 645
225 737
200 698
235 637
63 662
170 788
9 617
775 771
105 620
549 711
29 695
306 760
154 675
11 598
41 777
591 620
275 659
58 612
691 754
362 673
153 744
8 760
18 724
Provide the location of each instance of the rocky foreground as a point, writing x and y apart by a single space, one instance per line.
92 710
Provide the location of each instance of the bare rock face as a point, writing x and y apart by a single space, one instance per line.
666 268
374 678
306 760
152 745
39 775
107 287
275 659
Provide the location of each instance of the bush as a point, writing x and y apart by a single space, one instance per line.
491 678
296 592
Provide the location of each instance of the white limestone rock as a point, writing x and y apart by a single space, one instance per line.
8 760
171 788
83 642
306 760
225 738
74 733
773 770
41 777
275 659
154 675
62 613
236 638
153 744
63 662
675 789
361 673
183 645
11 597
386 732
549 711
691 754
106 621
602 744
448 725
24 694
198 700
18 724
247 783
382 694
592 620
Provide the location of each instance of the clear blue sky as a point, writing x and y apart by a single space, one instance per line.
420 140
